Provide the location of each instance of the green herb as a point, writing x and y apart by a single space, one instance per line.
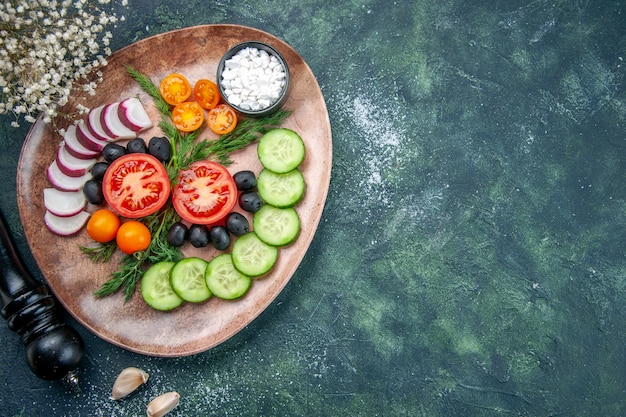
159 224
100 253
186 149
152 90
133 266
127 276
246 132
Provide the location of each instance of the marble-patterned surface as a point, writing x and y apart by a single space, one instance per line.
470 260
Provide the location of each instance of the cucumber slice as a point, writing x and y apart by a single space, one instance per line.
187 280
281 150
276 226
281 190
223 280
253 257
156 289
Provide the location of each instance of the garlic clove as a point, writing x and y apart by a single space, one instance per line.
163 404
128 381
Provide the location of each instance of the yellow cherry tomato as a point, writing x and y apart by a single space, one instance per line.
103 225
133 236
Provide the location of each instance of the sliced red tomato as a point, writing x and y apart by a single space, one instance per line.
206 93
222 119
136 185
187 116
205 193
175 88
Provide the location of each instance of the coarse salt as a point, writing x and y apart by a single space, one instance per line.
253 79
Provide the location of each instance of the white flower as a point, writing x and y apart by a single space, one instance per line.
50 48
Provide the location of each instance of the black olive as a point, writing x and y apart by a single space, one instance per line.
237 224
220 237
245 180
112 151
93 192
137 145
177 234
199 235
250 201
160 148
98 170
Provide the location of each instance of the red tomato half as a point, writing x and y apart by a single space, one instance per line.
136 185
205 193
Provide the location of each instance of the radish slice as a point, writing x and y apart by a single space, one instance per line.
65 226
133 115
74 147
94 124
72 166
63 182
88 140
112 124
63 203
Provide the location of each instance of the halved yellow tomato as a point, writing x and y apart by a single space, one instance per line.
188 116
206 93
222 119
175 89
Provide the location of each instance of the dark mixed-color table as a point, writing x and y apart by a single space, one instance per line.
470 259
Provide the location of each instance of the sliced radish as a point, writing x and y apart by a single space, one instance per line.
133 115
65 226
87 139
63 182
72 166
63 203
112 124
94 124
74 147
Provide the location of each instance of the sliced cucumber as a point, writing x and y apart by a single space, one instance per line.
187 279
281 150
281 190
156 289
276 226
253 257
223 280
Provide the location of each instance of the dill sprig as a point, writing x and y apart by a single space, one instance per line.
246 132
151 89
126 277
187 148
102 252
133 266
159 224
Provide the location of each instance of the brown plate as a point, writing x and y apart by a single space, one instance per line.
192 328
